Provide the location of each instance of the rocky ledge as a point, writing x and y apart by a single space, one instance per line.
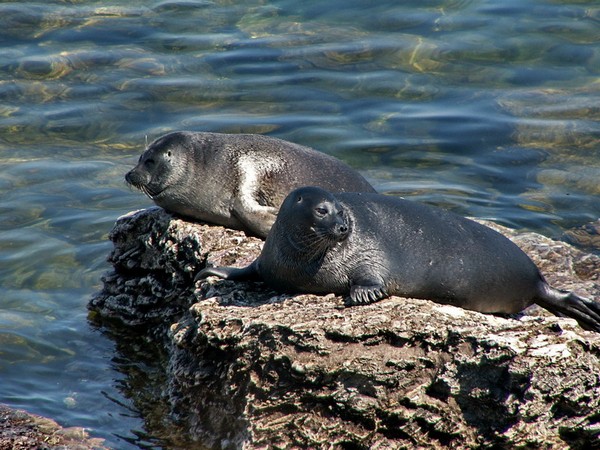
249 368
20 430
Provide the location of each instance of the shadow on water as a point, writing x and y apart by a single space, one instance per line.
142 360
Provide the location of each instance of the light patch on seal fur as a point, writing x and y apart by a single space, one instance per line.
250 174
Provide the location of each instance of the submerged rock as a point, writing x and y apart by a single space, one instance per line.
587 235
250 368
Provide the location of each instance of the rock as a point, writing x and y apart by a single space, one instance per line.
250 368
21 430
155 260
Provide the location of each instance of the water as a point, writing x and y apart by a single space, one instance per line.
487 108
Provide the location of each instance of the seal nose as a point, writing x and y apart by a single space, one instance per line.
341 229
134 178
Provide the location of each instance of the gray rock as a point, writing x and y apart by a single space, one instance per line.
250 368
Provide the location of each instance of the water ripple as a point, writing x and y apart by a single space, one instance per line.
487 108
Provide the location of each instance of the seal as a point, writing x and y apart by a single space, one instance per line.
371 246
235 180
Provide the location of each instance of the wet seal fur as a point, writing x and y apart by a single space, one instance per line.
235 180
371 246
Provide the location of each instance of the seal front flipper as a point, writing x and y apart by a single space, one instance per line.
363 295
568 304
248 273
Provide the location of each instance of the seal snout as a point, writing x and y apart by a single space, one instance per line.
135 178
340 228
141 180
130 178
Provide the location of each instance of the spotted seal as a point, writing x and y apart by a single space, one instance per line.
371 246
235 180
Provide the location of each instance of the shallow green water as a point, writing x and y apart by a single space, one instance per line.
488 108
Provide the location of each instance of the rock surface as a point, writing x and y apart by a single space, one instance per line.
250 368
20 430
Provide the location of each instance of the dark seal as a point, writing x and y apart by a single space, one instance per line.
371 246
235 180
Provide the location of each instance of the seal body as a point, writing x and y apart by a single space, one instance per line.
370 246
235 180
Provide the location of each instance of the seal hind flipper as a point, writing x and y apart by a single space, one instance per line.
568 304
248 273
364 295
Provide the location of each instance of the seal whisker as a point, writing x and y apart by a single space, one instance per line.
318 253
146 190
314 246
310 240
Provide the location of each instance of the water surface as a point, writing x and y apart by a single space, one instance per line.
487 108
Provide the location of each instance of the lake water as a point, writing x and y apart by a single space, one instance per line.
489 108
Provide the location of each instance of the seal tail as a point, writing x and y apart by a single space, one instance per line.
568 304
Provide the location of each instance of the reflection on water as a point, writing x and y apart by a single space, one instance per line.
487 108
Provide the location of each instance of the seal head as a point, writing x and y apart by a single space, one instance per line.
158 167
309 225
311 222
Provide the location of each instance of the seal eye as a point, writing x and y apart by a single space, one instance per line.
299 199
149 162
321 211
